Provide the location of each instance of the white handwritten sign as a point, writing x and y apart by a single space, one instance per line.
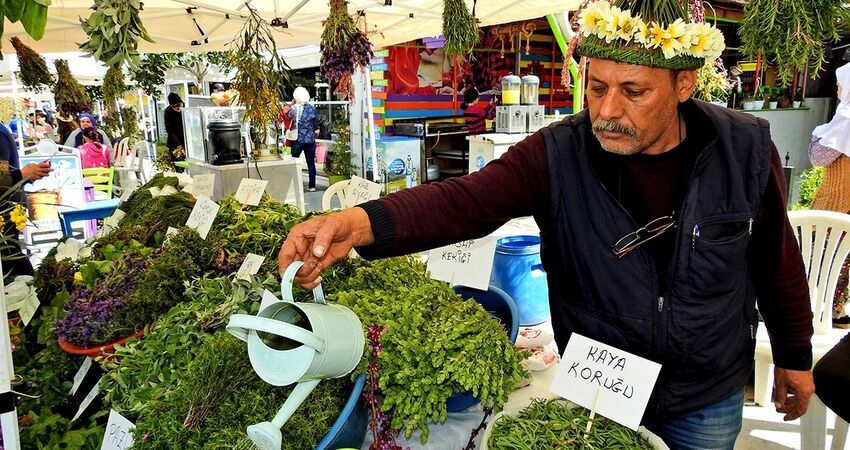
87 401
360 190
202 216
202 185
467 263
113 220
250 191
81 374
29 308
616 382
129 187
250 266
118 434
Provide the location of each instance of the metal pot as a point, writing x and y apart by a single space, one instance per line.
433 170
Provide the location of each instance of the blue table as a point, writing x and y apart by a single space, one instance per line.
93 210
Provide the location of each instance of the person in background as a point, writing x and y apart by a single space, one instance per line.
65 126
475 115
218 87
174 125
14 261
307 123
18 123
93 153
86 120
43 129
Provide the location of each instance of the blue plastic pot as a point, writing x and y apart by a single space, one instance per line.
502 306
349 429
518 271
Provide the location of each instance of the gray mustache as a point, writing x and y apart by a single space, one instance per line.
612 126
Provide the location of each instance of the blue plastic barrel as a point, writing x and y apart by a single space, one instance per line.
517 270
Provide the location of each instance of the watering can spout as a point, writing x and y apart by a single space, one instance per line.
267 435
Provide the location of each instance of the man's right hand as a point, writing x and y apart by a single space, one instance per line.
322 241
35 171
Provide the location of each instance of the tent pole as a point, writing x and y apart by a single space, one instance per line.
578 89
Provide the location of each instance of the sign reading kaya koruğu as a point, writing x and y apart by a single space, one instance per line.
614 383
467 263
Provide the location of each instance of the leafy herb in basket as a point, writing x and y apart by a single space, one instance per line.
33 67
550 424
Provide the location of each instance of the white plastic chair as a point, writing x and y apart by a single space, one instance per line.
824 238
134 162
337 189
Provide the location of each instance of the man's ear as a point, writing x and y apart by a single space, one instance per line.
685 82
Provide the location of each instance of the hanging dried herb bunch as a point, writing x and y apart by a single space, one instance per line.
344 48
114 30
70 96
113 87
459 28
34 73
261 74
791 32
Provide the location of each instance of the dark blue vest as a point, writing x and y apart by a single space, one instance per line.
701 328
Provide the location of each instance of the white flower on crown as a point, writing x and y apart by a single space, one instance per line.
605 21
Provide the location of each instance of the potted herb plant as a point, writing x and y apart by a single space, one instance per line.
798 99
749 102
340 168
760 98
784 101
771 98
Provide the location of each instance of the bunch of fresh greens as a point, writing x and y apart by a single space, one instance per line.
551 424
261 74
113 87
460 29
34 73
218 396
435 344
70 96
31 13
114 30
53 276
248 229
792 32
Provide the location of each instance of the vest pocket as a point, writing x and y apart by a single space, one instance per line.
717 262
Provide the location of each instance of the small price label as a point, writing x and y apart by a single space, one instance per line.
129 188
360 190
605 379
87 401
250 266
466 263
29 308
81 374
118 434
250 191
202 216
115 218
203 185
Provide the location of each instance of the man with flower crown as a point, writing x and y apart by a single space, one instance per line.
662 221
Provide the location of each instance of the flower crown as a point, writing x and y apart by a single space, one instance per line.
630 38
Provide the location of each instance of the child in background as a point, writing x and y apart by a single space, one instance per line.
476 115
93 153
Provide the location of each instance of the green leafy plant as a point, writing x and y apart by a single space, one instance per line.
33 67
114 30
149 74
70 96
460 29
791 32
553 424
810 181
31 13
122 123
261 74
113 87
341 164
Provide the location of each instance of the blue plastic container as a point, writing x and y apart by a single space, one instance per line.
502 306
349 429
518 271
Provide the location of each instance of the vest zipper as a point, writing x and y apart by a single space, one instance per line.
660 304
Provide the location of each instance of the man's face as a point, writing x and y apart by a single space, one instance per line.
176 107
85 123
633 108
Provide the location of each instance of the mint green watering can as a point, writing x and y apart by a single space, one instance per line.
300 343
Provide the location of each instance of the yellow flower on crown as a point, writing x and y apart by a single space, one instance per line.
671 43
657 35
19 216
698 39
608 25
628 26
642 33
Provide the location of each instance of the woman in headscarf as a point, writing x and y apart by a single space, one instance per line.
830 148
306 122
86 120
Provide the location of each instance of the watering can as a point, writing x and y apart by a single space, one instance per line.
301 343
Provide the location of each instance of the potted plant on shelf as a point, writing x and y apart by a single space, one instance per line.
340 168
798 99
760 98
771 98
749 102
784 101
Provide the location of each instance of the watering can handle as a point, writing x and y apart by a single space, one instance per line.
287 280
240 324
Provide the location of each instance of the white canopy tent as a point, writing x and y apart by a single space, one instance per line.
205 25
